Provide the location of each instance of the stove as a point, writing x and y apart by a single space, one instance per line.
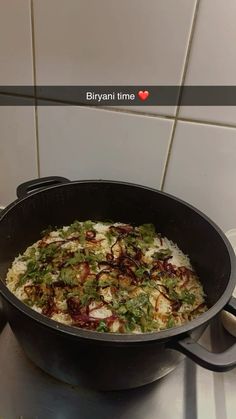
189 392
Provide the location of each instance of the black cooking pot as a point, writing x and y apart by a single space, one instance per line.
115 361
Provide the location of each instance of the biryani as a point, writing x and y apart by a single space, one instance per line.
108 277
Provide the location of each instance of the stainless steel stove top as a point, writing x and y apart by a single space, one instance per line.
189 392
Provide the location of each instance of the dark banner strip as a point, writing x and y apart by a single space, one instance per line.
118 95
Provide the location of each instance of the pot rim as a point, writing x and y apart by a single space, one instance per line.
164 335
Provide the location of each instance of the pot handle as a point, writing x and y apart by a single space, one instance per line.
42 183
231 306
219 362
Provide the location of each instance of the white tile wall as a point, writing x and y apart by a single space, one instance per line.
16 65
202 170
82 143
133 42
18 158
125 42
213 57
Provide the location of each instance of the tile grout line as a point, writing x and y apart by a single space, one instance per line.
78 104
123 111
131 112
34 77
186 62
212 123
172 135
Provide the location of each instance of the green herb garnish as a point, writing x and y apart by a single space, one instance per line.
110 236
68 276
187 297
140 272
162 254
148 233
77 258
102 327
89 292
48 252
170 283
171 322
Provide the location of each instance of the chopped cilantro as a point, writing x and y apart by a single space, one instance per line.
150 283
131 323
21 281
30 253
75 227
148 324
93 258
89 292
140 272
171 322
147 232
68 276
77 258
110 236
88 225
63 233
136 306
28 302
32 272
80 228
108 280
48 252
187 297
102 327
162 254
76 292
47 278
121 309
170 283
173 294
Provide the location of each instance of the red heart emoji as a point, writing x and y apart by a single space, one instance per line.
143 95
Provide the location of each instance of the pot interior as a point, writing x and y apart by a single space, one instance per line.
61 205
